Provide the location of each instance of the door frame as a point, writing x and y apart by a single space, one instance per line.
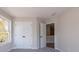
40 36
54 34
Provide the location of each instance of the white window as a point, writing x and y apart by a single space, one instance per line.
5 30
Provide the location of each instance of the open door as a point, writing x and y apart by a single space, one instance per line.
50 29
42 35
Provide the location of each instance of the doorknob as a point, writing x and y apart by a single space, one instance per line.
41 36
23 36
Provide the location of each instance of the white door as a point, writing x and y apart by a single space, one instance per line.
23 34
42 35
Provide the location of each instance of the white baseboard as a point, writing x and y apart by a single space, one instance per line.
22 48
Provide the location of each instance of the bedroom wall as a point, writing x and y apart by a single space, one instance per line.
67 39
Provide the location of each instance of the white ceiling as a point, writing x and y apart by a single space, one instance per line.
44 12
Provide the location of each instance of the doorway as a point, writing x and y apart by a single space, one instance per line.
50 33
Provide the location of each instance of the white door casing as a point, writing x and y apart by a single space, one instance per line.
42 35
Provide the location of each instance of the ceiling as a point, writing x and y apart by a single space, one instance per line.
44 12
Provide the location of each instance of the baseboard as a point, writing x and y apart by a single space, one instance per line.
23 48
59 50
10 49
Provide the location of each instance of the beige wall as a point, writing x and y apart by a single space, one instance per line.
51 20
67 31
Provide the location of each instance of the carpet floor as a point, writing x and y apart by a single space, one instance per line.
35 50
